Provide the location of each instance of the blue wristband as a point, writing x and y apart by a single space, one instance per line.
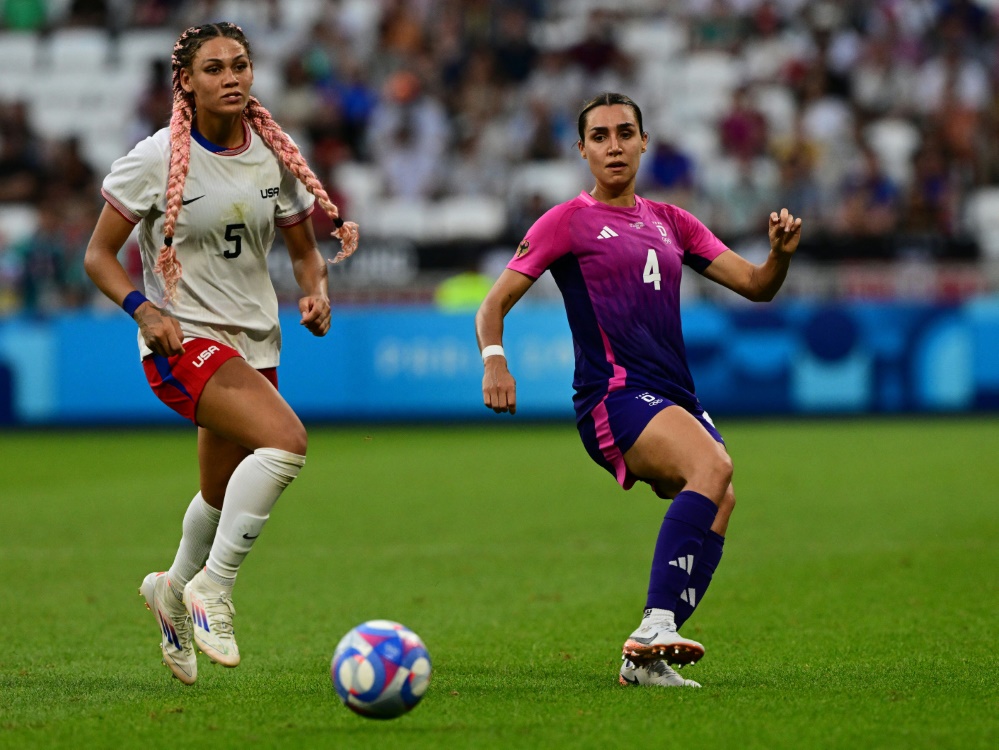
132 302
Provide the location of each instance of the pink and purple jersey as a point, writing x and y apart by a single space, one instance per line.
618 269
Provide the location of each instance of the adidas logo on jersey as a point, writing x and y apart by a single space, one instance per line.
605 233
689 596
684 562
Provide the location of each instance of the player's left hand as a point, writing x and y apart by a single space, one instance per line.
785 231
315 311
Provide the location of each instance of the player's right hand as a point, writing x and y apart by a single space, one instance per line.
160 331
499 389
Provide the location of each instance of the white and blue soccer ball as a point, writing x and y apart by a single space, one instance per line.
380 669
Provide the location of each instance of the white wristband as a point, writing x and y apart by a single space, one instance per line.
492 350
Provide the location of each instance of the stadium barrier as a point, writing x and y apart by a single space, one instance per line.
416 363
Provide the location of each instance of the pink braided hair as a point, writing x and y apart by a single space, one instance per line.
260 119
167 264
289 155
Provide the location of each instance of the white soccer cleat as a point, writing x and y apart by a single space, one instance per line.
175 627
211 610
656 638
656 672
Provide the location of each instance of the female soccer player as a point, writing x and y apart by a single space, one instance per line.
215 184
617 260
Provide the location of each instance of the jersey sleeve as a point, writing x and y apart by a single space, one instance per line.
700 246
137 180
295 203
545 242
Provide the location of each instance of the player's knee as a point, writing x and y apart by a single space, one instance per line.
292 438
714 474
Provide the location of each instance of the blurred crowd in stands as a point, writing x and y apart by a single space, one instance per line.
874 120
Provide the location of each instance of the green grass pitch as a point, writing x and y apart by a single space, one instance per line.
857 605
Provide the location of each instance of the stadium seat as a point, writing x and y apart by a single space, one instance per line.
138 47
364 186
470 218
894 140
78 49
982 216
777 104
555 181
400 217
18 53
660 40
708 79
17 221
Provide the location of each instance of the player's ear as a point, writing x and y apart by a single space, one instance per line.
185 80
582 152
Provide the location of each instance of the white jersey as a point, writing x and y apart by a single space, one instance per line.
233 200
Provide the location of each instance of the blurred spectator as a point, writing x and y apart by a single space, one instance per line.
542 133
741 206
298 98
869 204
150 13
951 76
742 130
155 103
513 50
598 48
358 100
798 189
21 165
88 13
718 27
881 84
931 202
558 82
408 137
41 259
68 171
669 174
471 170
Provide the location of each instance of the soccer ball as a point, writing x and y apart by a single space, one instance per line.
380 669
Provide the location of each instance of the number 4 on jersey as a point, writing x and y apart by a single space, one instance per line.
651 275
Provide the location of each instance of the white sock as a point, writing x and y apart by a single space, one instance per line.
253 489
200 522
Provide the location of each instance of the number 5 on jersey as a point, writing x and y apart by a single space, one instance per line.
651 275
230 234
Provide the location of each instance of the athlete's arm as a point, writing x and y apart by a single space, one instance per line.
760 283
310 273
499 389
160 331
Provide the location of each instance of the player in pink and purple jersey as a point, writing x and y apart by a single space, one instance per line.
617 260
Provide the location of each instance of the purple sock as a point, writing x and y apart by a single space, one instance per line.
688 519
704 569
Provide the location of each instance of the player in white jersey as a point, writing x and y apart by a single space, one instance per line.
215 185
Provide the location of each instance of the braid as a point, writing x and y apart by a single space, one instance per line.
167 264
289 155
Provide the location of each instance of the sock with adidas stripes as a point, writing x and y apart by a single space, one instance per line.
678 546
200 522
704 568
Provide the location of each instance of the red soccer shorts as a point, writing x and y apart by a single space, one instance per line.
178 381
